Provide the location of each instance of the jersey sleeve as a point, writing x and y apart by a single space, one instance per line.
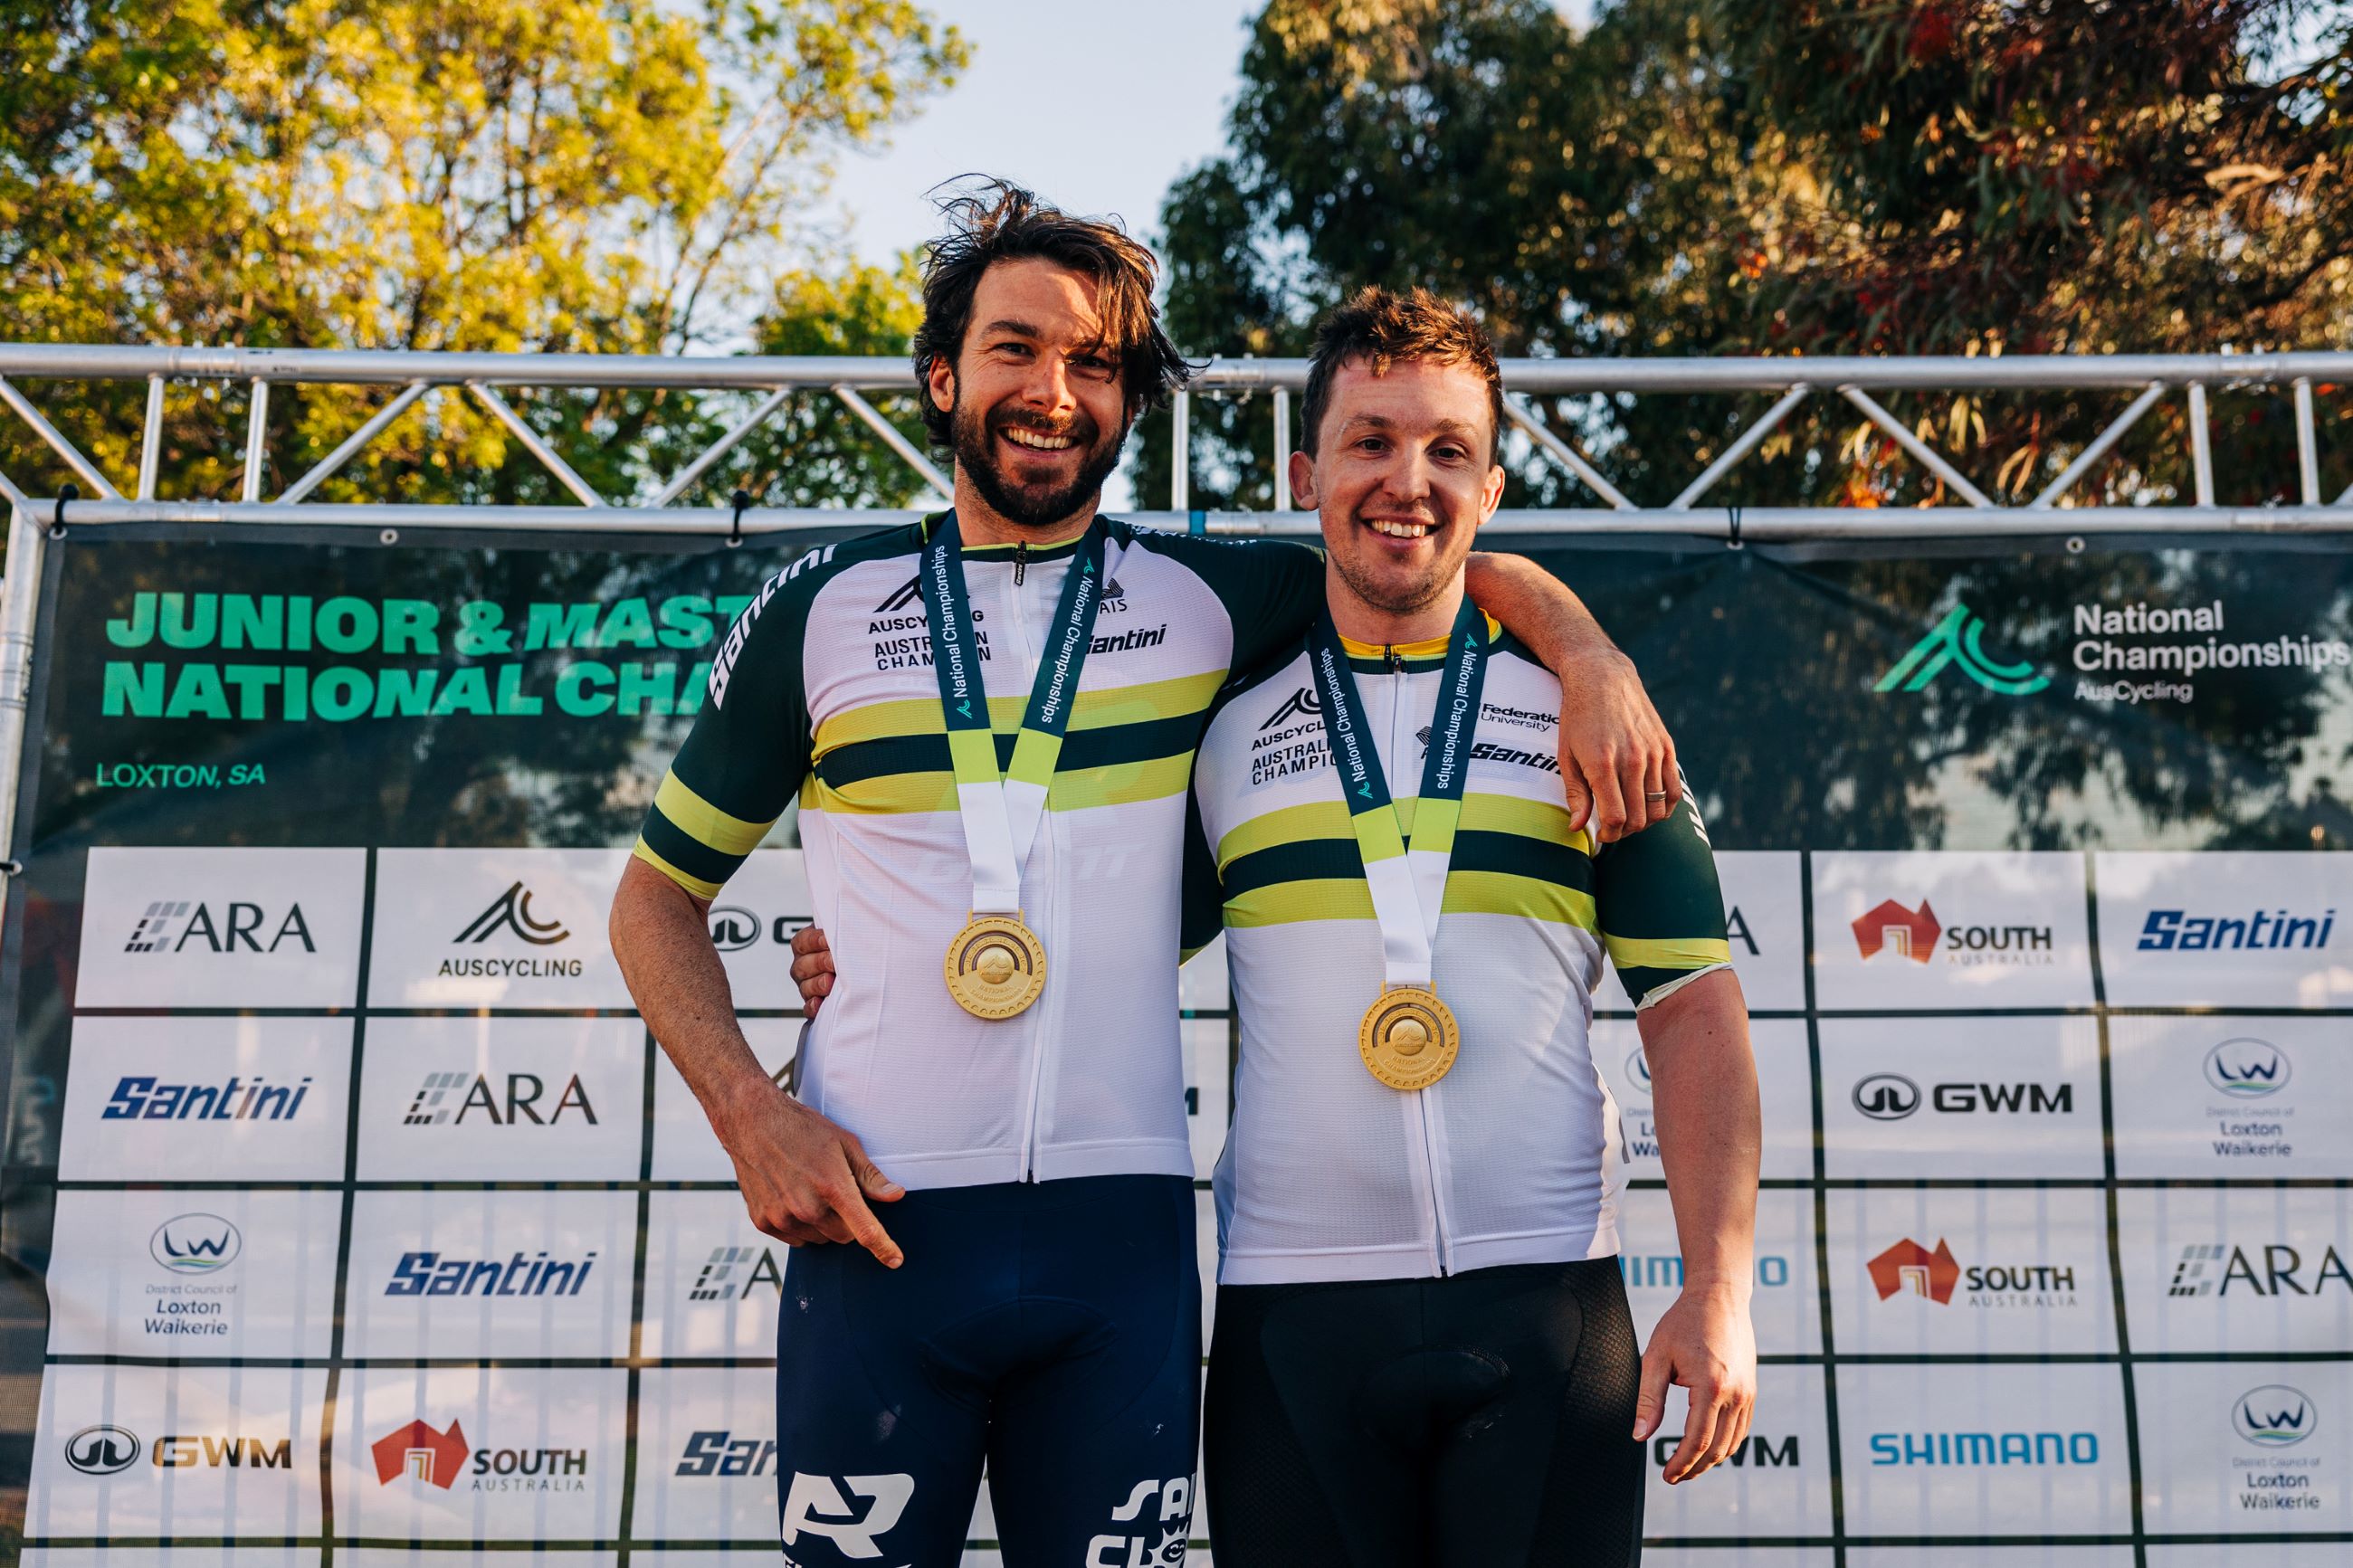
745 757
1660 906
1204 913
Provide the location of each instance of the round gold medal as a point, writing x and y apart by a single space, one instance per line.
996 966
1408 1039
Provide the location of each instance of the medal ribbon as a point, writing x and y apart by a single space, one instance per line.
1408 881
1001 810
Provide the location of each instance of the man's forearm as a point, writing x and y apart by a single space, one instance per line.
663 945
1704 1091
1537 607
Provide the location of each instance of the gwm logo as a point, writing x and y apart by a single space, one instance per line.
2273 1416
416 1449
103 1450
1892 928
2248 1069
1886 1097
1908 1266
1956 640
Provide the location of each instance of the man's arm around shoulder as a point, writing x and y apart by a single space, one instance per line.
804 1179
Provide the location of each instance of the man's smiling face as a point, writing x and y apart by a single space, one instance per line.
1403 474
1039 405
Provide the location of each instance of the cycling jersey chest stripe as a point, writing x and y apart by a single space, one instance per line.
1081 749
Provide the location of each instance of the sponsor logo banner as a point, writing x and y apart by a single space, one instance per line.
221 928
1961 1097
707 1459
1786 1308
2257 929
494 927
1951 1448
441 1275
239 1099
1784 1078
2242 1096
752 925
1763 917
1777 1482
1960 1271
1901 931
480 1454
2237 1446
184 1451
193 1274
488 1099
2246 1269
712 1282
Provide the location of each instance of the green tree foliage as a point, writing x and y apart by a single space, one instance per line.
512 175
1720 176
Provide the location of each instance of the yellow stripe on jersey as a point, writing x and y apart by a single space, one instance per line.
695 885
1646 952
1481 812
1467 892
1114 784
1098 710
699 820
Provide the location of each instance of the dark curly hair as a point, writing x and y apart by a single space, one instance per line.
1382 327
1002 222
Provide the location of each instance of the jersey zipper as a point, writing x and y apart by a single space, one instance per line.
1035 1017
1400 690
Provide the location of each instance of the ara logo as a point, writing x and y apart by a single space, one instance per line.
814 1504
1908 1266
1892 928
1956 640
195 1243
2248 1068
732 1273
1886 1097
2273 1416
2275 1268
524 1090
1303 704
103 1450
417 1450
511 911
169 925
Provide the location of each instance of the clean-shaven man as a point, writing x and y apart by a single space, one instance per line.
1423 1354
988 721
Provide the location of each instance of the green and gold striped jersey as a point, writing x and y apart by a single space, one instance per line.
1513 1156
824 691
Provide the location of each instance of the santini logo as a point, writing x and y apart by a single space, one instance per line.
432 1274
2248 1069
511 911
195 1243
723 1453
2177 931
2273 1416
170 926
1956 639
142 1098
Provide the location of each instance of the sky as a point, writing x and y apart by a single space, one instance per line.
1152 77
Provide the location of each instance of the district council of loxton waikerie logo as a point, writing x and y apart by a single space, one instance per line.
2273 1416
1958 639
2248 1068
416 1449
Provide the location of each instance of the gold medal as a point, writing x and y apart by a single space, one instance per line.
1409 1037
996 966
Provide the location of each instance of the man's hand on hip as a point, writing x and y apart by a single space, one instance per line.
805 1180
1616 756
1706 1345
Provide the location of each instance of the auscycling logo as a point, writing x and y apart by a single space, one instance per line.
1956 640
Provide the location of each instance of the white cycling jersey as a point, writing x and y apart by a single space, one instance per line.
1515 1155
825 687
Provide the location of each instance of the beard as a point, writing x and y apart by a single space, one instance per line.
974 435
1397 592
